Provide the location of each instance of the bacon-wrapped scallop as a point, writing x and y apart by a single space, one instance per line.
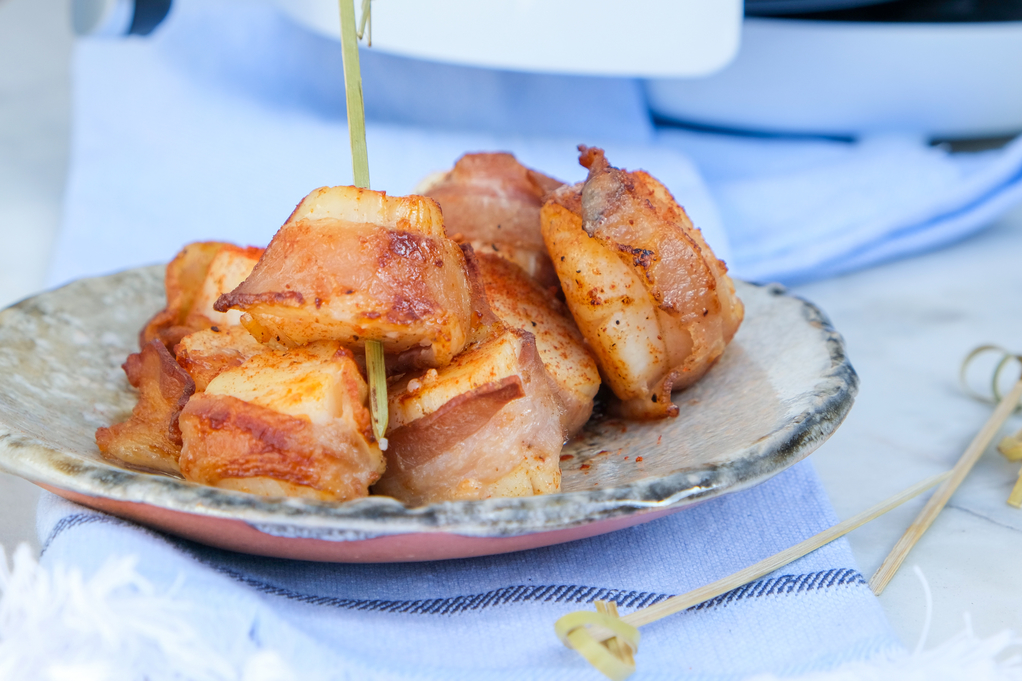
487 425
520 302
207 353
654 303
195 279
285 423
353 264
492 201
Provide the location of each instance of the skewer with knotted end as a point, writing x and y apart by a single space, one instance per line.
375 369
882 577
1011 445
586 630
1011 448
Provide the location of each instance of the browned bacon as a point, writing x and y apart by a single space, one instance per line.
487 425
353 264
520 302
286 422
150 438
492 201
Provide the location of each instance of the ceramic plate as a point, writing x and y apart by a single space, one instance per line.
778 392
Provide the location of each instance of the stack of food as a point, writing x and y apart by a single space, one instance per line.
498 317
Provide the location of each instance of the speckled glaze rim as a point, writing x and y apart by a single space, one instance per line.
834 392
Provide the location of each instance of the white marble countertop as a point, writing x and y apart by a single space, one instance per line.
907 325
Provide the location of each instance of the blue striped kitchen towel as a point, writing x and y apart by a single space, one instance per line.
492 617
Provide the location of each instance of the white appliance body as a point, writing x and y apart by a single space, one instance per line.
952 80
644 38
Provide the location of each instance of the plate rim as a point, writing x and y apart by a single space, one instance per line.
378 516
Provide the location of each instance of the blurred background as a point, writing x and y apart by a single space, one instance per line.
35 123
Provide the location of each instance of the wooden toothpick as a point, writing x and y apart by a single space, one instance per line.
617 645
1015 498
1011 448
353 94
585 626
922 522
375 370
768 565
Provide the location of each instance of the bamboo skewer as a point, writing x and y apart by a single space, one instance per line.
1015 498
353 94
617 646
350 36
768 565
571 626
376 371
922 522
1011 447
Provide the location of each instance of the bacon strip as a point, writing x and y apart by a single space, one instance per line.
151 437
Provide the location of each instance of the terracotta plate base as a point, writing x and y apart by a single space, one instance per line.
236 535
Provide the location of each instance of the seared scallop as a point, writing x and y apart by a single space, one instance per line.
655 305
